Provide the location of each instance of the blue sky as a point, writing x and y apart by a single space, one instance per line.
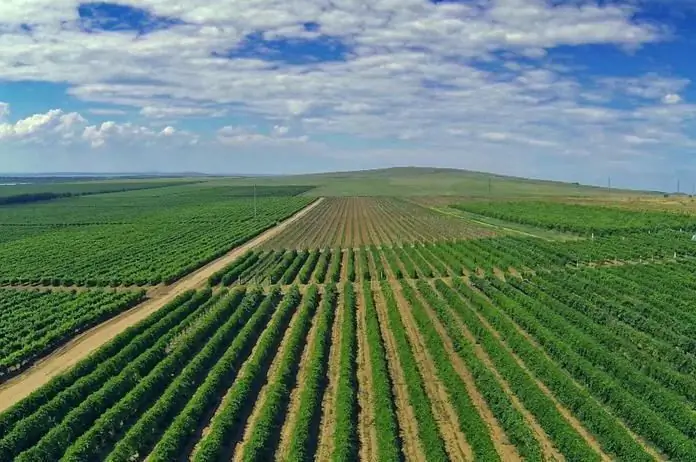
573 90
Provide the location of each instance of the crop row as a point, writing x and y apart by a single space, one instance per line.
200 362
446 259
584 219
33 323
650 409
356 222
147 252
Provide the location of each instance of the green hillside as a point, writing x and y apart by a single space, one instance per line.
417 181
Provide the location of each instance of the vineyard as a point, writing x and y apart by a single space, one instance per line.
33 323
367 329
158 249
440 369
355 222
584 219
503 255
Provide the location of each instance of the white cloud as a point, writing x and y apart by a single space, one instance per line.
54 123
56 126
4 110
107 112
235 135
671 98
161 112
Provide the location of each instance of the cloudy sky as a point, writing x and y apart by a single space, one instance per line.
575 90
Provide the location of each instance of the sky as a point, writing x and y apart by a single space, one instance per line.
573 90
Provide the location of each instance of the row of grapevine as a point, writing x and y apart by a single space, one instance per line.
141 348
389 442
470 421
265 434
355 222
178 437
345 434
34 323
305 432
580 218
501 405
428 432
227 425
612 436
138 383
664 418
147 251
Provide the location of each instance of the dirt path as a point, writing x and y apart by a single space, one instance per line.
408 423
293 406
455 442
366 428
81 346
325 445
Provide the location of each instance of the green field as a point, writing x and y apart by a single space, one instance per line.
393 315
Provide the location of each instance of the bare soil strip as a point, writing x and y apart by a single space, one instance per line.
455 441
366 418
294 404
408 423
574 422
325 446
81 346
505 449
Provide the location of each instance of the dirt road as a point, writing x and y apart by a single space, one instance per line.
81 346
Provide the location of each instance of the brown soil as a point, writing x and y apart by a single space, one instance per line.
455 442
81 346
366 417
408 422
507 451
289 425
572 420
325 446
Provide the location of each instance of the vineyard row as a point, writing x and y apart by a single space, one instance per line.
532 369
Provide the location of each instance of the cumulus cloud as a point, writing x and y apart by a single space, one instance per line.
73 129
4 110
35 127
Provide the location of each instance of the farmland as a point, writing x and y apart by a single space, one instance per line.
353 222
366 328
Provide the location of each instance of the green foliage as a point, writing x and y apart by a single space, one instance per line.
432 442
470 421
230 418
389 442
34 323
150 249
346 427
583 219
